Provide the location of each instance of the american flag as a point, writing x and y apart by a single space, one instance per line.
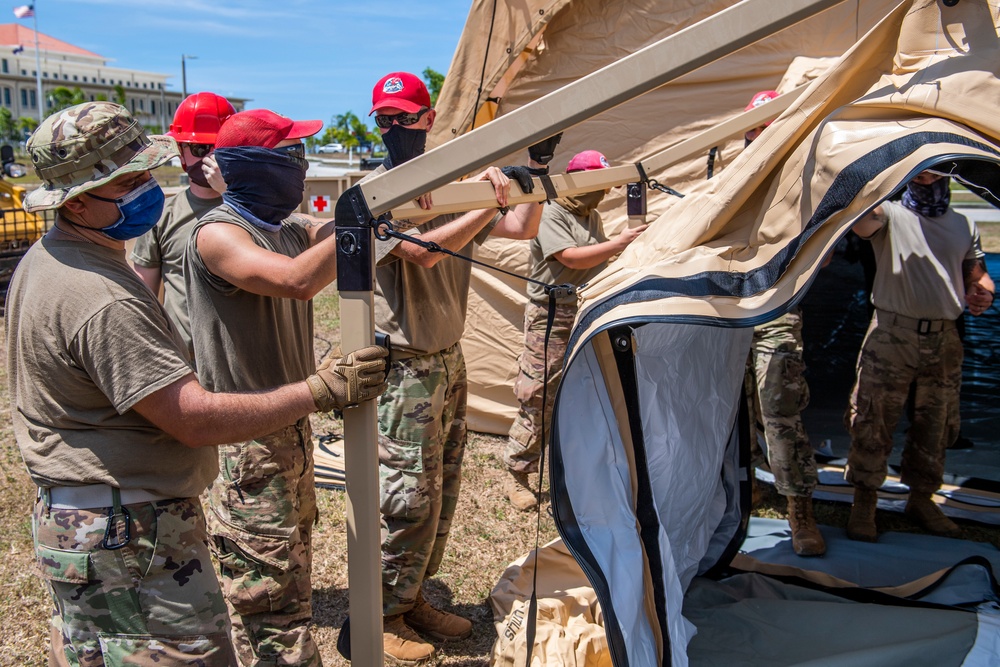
24 11
18 49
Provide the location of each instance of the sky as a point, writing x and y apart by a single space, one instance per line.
307 59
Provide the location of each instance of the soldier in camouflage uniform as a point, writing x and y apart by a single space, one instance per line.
111 422
251 270
929 267
420 301
570 248
778 392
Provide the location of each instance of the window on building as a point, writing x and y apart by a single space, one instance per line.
152 107
34 99
128 83
143 84
34 73
24 72
103 81
65 77
24 97
6 97
91 98
133 105
4 66
45 75
76 78
85 79
48 101
142 105
159 86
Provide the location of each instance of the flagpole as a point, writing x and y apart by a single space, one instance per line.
38 66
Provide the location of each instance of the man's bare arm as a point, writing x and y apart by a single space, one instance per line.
874 220
151 276
198 418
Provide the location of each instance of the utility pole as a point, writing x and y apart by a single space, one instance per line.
184 78
38 64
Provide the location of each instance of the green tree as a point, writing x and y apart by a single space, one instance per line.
8 126
434 82
26 125
63 98
119 97
101 97
348 129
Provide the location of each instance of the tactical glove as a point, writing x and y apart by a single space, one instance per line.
523 177
544 150
358 376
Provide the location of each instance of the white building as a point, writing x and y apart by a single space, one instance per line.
65 65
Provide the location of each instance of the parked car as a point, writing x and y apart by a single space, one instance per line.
331 148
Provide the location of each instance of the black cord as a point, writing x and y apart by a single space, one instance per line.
384 231
482 74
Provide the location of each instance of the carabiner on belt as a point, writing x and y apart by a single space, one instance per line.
114 511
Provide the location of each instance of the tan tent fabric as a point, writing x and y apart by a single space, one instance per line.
920 90
907 78
572 38
570 629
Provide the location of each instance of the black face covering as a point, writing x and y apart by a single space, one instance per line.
402 144
931 200
266 183
196 175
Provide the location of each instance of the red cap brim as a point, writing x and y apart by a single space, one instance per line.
396 103
304 128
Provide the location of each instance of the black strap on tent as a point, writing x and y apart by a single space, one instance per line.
653 183
711 162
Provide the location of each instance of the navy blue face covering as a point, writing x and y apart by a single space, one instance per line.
265 182
930 200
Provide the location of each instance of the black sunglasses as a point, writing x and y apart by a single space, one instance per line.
200 150
404 119
293 150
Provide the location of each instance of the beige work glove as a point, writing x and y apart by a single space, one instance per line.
358 376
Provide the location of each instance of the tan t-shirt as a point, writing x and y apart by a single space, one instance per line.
422 309
919 263
86 341
163 247
245 341
559 230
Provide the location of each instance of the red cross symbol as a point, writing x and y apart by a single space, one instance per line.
319 203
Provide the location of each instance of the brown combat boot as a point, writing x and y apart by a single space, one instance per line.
861 525
519 491
436 623
402 646
926 512
806 538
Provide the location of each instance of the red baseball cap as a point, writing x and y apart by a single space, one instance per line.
261 127
586 161
400 90
763 97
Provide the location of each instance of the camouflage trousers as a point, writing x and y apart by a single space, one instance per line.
524 443
261 512
893 358
776 384
155 601
421 444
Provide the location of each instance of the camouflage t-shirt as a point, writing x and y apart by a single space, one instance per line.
163 247
560 230
86 341
919 263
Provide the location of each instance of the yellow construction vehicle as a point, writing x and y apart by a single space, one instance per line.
18 229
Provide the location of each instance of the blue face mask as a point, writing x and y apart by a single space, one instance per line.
139 211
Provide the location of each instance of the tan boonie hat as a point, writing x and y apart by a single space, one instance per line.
85 146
